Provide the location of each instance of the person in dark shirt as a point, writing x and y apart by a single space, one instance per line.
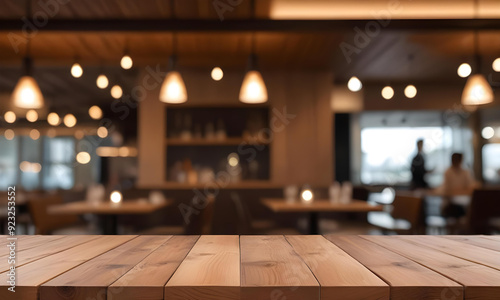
418 169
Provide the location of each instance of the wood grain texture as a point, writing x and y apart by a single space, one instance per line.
487 257
280 205
211 270
32 275
147 279
340 276
271 269
25 242
479 241
106 208
45 249
480 282
91 279
407 279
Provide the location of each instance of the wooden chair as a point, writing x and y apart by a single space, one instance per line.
406 216
45 223
484 209
247 225
200 223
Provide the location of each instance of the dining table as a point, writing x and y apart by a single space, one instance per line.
232 267
315 207
108 210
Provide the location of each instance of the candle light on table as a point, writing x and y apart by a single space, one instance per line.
116 198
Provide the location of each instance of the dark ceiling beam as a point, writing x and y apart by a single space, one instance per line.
159 25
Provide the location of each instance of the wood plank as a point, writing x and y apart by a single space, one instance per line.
25 242
487 257
479 241
339 275
407 279
271 269
92 278
148 278
32 275
46 249
281 205
211 270
480 282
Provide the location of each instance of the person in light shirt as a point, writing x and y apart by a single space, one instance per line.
458 183
457 180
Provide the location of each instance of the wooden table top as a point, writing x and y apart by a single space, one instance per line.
319 205
107 208
254 267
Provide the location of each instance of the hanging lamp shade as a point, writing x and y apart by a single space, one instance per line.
173 89
253 89
27 93
477 91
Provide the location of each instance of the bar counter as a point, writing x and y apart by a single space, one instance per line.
253 267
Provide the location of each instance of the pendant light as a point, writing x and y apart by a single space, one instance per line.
477 90
126 62
27 93
173 89
253 89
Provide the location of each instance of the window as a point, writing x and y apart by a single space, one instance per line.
9 162
491 163
58 163
388 149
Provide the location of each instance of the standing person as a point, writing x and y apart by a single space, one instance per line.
418 169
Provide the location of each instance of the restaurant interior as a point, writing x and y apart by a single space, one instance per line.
250 117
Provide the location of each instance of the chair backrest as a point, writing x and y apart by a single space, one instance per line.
45 223
244 217
484 205
408 208
202 223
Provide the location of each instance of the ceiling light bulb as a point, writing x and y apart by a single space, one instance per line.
487 133
9 117
69 120
76 70
102 132
102 81
464 70
477 91
116 92
53 119
387 93
410 91
34 134
95 112
354 84
83 158
9 134
31 115
173 89
253 89
217 74
27 94
496 65
126 62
